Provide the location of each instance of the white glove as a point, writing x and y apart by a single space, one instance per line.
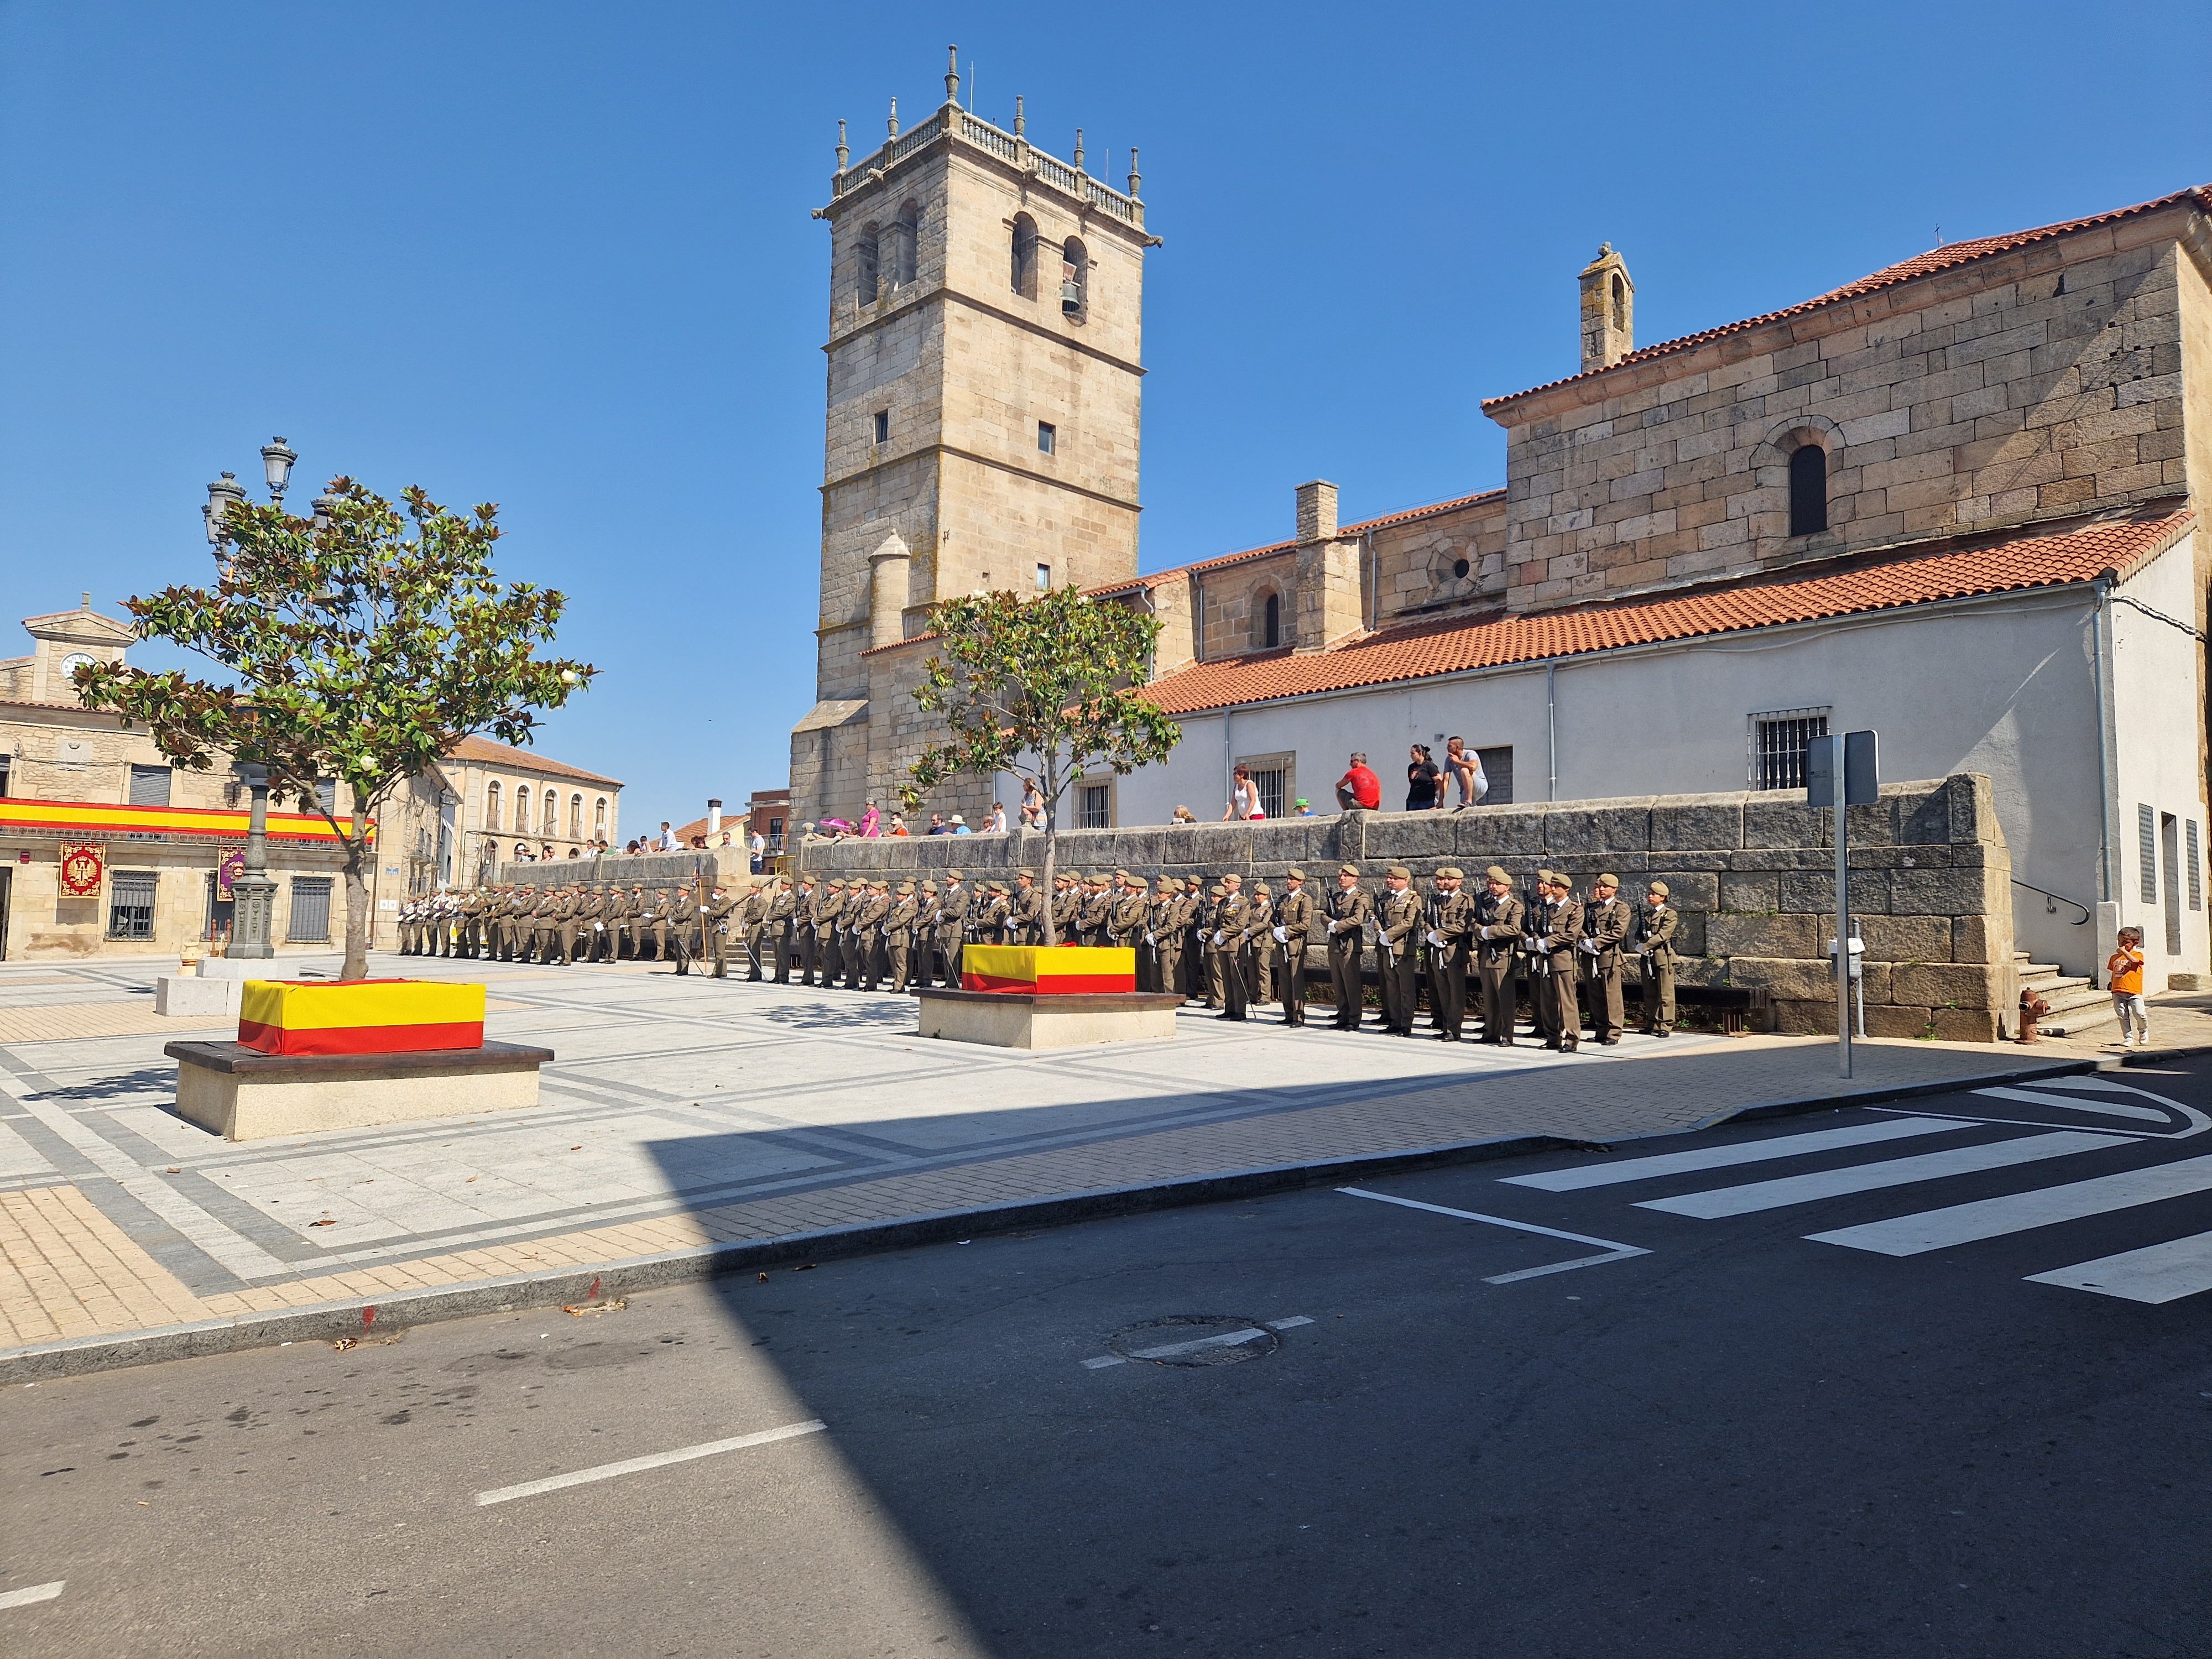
1220 938
1334 926
598 927
1149 939
1588 946
1436 938
1282 936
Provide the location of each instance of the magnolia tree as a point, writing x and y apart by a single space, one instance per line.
358 645
1045 686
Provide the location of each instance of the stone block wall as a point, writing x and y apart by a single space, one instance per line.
1752 873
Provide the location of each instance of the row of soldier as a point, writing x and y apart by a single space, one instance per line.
1225 945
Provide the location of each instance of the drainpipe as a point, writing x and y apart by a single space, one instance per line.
1551 731
1371 582
2099 657
1228 755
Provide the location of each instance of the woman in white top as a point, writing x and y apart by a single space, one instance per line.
1243 796
1465 769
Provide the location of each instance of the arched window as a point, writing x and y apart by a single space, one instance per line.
1270 621
1025 255
575 817
552 813
491 805
1619 303
907 253
522 809
1808 489
1074 280
599 820
865 268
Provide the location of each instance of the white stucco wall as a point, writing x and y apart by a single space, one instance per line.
2002 686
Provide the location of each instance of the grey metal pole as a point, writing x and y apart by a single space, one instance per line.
1843 913
253 896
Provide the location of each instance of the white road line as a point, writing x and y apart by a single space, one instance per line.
1887 1172
1175 1350
1612 1252
1745 1152
2019 1212
2155 1273
652 1461
25 1597
2108 1108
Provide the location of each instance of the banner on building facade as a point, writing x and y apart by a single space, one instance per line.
233 864
84 864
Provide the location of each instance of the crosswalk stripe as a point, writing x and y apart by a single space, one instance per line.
1745 1152
1993 1217
1887 1172
2108 1108
2157 1272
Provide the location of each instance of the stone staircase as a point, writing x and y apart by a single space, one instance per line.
2077 1007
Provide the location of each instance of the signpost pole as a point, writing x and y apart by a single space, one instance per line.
1843 912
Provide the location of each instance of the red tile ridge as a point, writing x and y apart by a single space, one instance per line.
1946 258
1914 574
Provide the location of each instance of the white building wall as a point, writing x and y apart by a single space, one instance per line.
2157 708
2003 686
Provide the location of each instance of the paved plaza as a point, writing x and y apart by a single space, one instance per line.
682 1113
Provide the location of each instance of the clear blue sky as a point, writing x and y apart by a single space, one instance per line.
559 256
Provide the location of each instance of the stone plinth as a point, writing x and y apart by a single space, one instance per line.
1018 1019
244 1095
178 997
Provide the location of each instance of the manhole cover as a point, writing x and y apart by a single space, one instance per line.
1195 1339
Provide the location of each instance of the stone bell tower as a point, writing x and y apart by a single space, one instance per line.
1609 310
986 311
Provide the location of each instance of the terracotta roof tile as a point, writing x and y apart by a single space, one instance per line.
1945 257
2114 547
485 752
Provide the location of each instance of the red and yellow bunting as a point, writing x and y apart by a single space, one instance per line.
90 817
84 864
1042 970
359 1016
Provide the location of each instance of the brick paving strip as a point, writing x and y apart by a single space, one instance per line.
96 1253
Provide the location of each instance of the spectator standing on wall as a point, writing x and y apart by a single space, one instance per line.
758 851
1465 769
665 842
1359 788
1243 795
872 822
1425 781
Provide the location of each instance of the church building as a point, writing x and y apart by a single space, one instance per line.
1956 502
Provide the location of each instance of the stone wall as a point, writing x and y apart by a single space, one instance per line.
2042 382
1751 872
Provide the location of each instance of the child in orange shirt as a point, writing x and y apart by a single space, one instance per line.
2124 973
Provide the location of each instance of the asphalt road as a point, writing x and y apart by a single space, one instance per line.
1319 1424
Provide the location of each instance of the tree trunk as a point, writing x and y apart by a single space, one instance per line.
357 886
1051 855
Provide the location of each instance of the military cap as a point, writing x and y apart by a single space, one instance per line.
1001 887
1259 887
954 875
881 886
1401 872
835 884
1497 872
1546 878
1348 869
929 887
905 887
1294 875
1031 874
1606 880
1452 873
1121 875
1219 890
1167 883
1661 889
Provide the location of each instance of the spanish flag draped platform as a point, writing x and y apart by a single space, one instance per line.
359 1016
1048 971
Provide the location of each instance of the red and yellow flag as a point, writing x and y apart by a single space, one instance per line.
1048 971
359 1016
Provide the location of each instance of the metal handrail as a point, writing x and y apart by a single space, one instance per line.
2086 912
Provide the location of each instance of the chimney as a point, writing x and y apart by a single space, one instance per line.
1608 311
1316 513
714 818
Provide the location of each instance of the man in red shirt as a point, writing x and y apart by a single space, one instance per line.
1358 788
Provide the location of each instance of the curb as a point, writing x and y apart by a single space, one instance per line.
333 1321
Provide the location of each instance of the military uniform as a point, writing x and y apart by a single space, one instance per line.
1656 925
1294 914
1028 922
803 903
1558 927
1349 911
1227 947
1260 946
1498 919
922 968
952 924
714 928
1606 922
1451 933
1397 945
898 935
829 932
782 925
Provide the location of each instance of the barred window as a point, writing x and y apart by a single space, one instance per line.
1777 745
1094 806
2195 870
131 903
2147 850
310 921
1275 776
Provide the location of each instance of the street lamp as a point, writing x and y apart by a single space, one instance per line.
221 495
253 894
276 459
